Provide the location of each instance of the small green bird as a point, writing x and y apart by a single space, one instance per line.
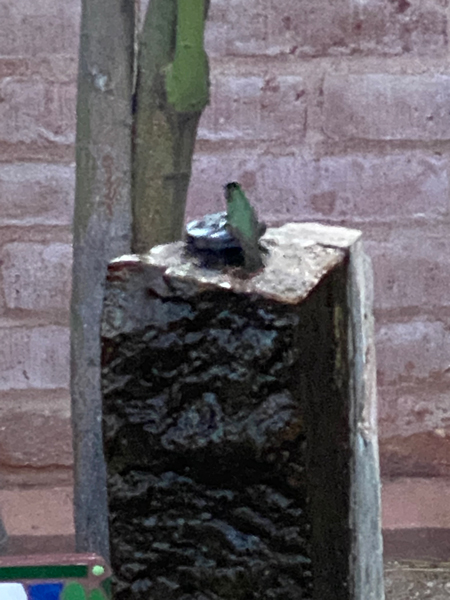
243 224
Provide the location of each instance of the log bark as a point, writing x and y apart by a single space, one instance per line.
102 230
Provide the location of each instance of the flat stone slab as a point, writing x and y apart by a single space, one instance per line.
298 257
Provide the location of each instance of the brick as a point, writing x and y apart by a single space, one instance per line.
326 27
33 439
355 189
35 357
36 111
371 188
39 151
36 276
254 107
36 194
273 183
387 107
413 351
30 29
404 412
411 270
38 512
56 67
409 503
423 454
12 66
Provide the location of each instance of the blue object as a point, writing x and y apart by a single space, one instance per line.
45 591
211 233
12 591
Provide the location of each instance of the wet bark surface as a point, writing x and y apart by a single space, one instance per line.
207 439
226 420
205 433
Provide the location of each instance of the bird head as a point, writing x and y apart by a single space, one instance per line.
229 189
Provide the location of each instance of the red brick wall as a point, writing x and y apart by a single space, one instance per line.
38 65
339 111
329 110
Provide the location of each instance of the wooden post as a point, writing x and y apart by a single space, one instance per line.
239 424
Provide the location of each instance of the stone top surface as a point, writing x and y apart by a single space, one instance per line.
299 256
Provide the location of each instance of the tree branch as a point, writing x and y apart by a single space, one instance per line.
164 137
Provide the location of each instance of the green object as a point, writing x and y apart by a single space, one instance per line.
106 585
244 226
98 570
43 572
73 591
187 78
97 595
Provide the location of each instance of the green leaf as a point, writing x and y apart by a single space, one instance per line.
97 595
73 591
187 78
107 587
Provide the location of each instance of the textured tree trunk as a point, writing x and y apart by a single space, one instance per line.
102 230
172 90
